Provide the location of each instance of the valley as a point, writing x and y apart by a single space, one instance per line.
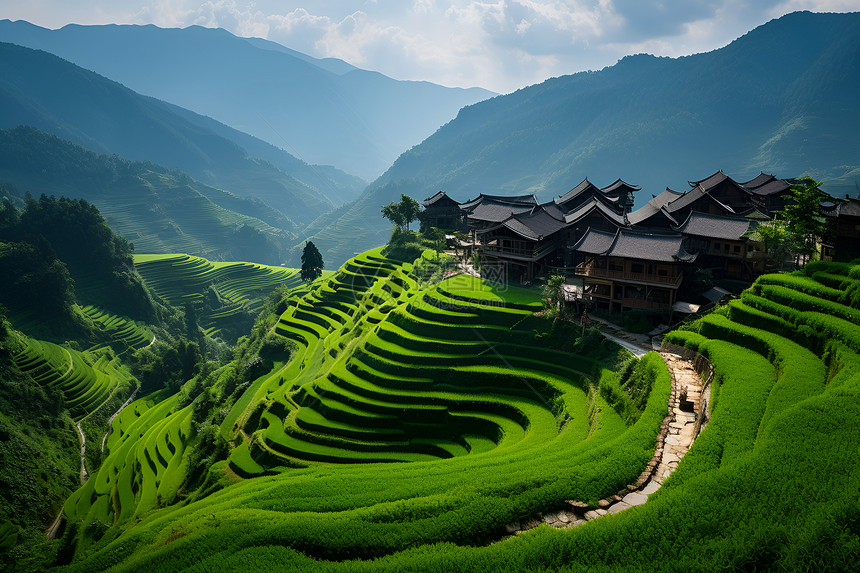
529 344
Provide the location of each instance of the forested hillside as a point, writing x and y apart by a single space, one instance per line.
82 334
780 99
43 91
156 209
327 111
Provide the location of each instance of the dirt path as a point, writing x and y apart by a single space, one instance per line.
687 405
84 474
115 414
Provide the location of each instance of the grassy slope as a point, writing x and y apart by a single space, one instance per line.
771 482
350 331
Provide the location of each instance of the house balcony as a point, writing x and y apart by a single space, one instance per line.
519 253
584 270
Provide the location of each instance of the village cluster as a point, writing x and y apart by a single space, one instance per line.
617 258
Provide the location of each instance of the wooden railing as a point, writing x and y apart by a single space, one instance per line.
589 271
530 253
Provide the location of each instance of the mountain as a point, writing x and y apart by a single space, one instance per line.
324 111
781 99
157 209
51 94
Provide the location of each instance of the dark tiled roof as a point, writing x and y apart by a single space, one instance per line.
493 212
691 197
655 205
649 247
595 204
758 180
710 181
499 199
634 245
594 242
438 196
536 225
770 188
619 185
553 210
714 226
850 208
584 187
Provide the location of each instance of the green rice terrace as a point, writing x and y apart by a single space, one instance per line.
84 383
224 290
384 421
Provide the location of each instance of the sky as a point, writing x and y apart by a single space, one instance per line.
500 45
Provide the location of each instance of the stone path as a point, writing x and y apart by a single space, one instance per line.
687 402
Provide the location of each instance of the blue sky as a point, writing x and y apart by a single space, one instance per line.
501 45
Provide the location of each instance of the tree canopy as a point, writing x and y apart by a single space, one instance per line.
312 263
403 212
804 224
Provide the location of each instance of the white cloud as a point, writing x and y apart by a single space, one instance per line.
498 44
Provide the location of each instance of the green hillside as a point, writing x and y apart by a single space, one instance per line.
156 209
405 424
226 296
779 100
324 111
376 366
41 90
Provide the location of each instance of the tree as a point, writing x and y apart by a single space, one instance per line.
777 242
553 292
312 263
403 212
437 237
805 225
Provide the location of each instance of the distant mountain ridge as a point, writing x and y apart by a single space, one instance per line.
54 95
327 110
781 99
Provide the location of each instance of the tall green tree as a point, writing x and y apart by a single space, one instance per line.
403 212
553 292
805 225
312 263
777 242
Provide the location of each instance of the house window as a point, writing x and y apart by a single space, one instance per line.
650 269
662 272
737 249
717 247
615 265
726 248
637 268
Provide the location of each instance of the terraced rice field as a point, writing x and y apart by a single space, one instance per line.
126 331
85 386
143 467
240 287
386 373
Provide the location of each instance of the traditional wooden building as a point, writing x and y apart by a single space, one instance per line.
490 210
768 193
654 216
617 197
525 244
631 270
443 212
843 232
725 190
723 245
